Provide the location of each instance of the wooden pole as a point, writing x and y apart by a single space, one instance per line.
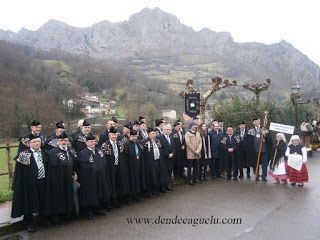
265 122
275 154
10 171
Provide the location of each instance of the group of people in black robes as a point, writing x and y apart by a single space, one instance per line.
66 175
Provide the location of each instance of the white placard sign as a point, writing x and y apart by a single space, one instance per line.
281 128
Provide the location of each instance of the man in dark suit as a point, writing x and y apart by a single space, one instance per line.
29 183
114 152
35 131
168 146
52 140
180 147
229 148
79 143
242 150
216 138
257 135
104 137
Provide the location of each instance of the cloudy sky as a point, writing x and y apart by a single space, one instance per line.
265 21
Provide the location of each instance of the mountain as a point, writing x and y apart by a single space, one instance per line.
161 47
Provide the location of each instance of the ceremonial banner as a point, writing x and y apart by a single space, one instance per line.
281 128
192 104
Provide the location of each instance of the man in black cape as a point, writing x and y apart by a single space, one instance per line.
118 171
95 187
52 140
29 183
134 158
35 131
61 174
156 171
254 137
104 137
79 142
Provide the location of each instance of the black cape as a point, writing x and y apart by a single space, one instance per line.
120 181
152 177
136 169
25 197
94 180
59 195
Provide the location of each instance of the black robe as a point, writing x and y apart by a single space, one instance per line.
51 142
24 142
104 137
59 195
252 152
153 177
226 143
136 170
95 187
25 199
242 153
118 174
181 154
79 143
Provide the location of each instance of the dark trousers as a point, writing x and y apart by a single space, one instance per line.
204 168
116 182
193 163
215 167
231 166
263 163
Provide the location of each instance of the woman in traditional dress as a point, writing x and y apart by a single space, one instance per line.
278 165
297 158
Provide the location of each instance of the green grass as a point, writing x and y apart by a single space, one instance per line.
5 188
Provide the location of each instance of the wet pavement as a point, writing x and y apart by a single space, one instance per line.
267 211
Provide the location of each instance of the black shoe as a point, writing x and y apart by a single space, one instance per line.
116 205
257 179
136 199
190 182
228 179
99 212
248 176
89 215
31 229
293 184
206 179
156 194
149 195
169 189
264 179
241 176
196 181
163 191
235 179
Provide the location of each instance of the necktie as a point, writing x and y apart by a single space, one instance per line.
156 151
168 139
41 173
180 137
137 150
115 152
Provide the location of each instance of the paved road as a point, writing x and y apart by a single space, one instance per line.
267 211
